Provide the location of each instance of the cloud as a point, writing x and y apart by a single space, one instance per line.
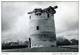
69 34
15 19
66 17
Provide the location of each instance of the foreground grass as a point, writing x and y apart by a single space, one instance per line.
41 49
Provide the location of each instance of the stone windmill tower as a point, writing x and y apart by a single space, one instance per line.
42 27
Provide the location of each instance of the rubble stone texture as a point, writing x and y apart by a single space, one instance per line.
42 27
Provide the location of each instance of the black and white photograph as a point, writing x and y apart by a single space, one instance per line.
39 26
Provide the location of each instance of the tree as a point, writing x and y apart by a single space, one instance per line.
63 41
66 42
74 42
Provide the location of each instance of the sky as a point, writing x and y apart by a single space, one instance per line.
15 22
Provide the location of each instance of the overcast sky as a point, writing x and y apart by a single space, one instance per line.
14 19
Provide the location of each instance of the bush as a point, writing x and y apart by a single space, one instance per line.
74 42
62 41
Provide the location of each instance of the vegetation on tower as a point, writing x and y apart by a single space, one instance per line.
49 10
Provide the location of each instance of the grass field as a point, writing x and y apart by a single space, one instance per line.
45 49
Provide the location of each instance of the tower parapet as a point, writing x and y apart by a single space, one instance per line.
49 11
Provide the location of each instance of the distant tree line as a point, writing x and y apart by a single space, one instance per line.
63 41
27 44
13 45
